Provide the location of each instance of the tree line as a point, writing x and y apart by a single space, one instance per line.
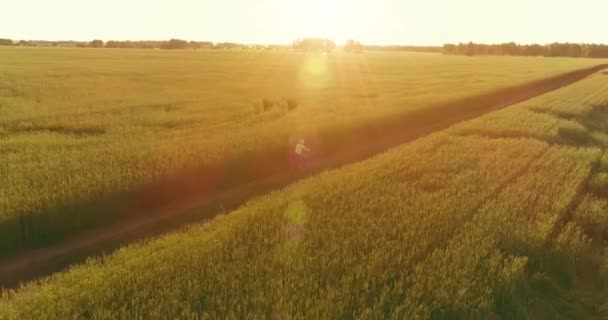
582 50
431 49
305 44
170 44
39 43
313 44
320 44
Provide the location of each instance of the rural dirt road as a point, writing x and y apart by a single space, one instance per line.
189 197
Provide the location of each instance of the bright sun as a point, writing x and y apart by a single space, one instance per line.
324 18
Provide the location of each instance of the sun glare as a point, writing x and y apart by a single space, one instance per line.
322 18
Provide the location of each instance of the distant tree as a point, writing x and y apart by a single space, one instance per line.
174 44
200 45
353 46
449 49
433 49
597 51
575 50
314 44
206 45
469 49
509 49
96 43
514 49
228 45
533 50
113 44
6 42
193 45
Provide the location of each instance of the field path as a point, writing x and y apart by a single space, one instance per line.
189 197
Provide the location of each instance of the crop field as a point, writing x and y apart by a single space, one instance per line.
500 217
78 125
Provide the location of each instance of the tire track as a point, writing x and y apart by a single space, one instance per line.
569 211
523 170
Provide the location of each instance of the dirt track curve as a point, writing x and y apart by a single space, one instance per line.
199 194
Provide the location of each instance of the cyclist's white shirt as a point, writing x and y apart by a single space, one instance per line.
300 148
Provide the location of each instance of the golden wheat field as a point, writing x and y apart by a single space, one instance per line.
78 124
499 217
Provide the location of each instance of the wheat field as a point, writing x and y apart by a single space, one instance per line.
78 124
500 217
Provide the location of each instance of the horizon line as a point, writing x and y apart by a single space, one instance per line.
290 43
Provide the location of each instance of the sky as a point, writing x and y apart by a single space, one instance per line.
415 22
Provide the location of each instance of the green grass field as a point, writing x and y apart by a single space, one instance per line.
77 124
501 217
